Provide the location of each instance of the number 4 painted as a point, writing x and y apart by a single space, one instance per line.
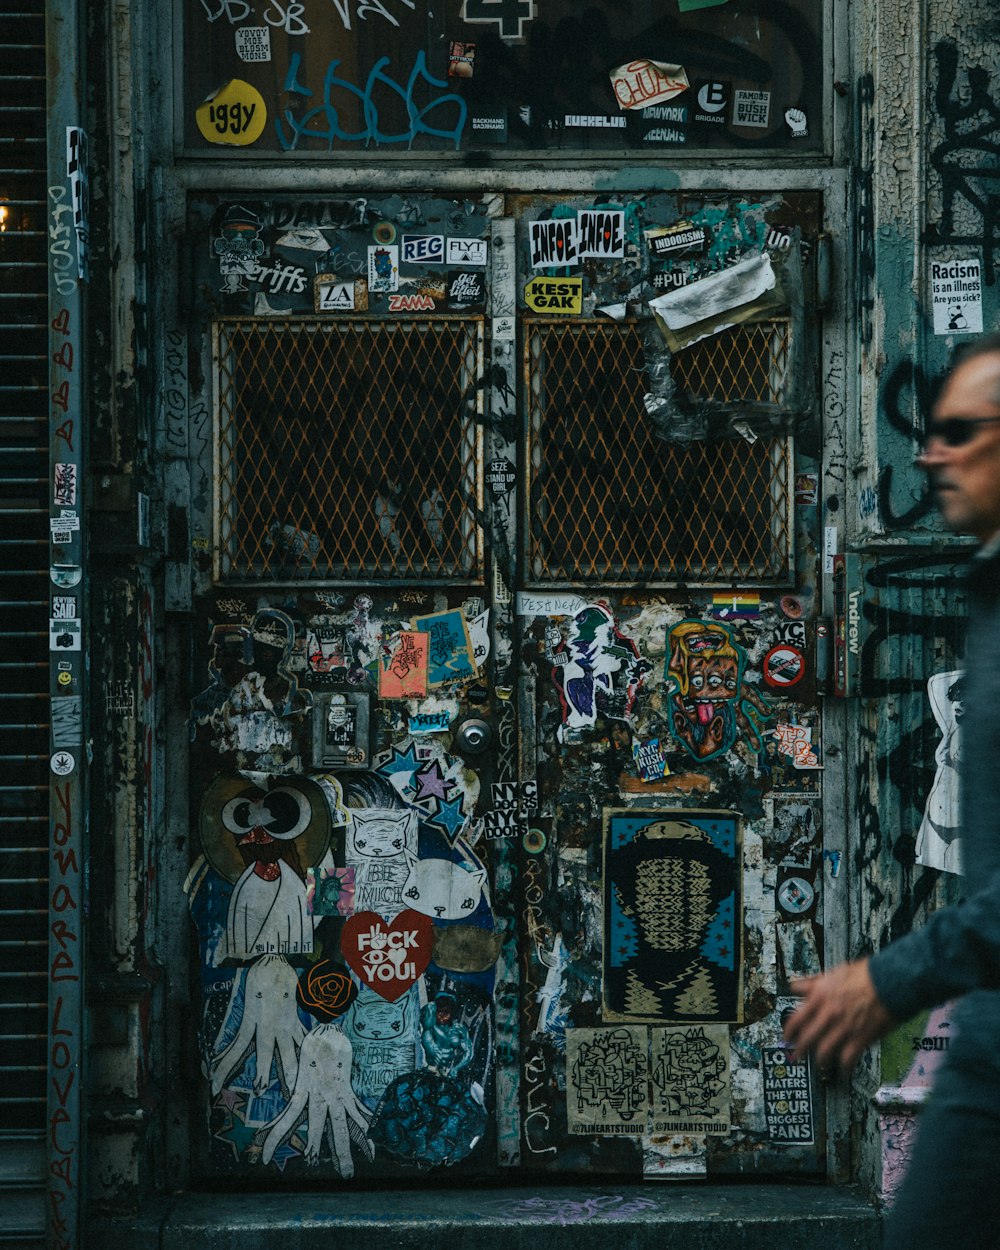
509 15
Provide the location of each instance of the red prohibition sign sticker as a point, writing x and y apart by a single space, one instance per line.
784 666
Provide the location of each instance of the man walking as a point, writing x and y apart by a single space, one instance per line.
951 1188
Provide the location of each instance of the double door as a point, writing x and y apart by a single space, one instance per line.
506 737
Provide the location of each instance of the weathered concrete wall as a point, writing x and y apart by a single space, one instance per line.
928 126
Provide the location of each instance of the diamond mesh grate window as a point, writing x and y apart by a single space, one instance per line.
610 502
349 449
747 363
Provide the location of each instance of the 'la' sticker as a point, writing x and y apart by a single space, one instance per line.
233 115
601 233
334 296
554 295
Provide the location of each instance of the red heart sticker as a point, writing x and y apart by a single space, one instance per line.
388 957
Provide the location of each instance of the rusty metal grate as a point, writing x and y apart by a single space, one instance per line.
349 450
748 363
609 502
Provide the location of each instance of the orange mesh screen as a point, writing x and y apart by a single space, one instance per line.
610 502
349 449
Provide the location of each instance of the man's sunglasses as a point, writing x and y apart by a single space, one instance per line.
956 431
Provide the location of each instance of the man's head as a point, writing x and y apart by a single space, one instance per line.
962 443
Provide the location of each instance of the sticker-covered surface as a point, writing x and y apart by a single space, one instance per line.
312 77
507 752
344 918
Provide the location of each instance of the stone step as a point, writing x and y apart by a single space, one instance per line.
649 1217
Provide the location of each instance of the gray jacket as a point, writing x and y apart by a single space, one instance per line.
957 952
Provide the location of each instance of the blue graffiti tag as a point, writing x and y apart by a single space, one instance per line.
304 126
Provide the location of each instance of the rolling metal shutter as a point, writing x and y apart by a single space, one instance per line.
24 660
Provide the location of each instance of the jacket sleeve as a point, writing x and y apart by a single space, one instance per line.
956 951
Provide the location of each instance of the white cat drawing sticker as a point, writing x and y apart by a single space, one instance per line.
383 1037
442 888
377 842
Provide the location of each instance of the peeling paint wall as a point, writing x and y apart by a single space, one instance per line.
928 123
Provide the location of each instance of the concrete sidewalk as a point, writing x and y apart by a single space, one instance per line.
665 1217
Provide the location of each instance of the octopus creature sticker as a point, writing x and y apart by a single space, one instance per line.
710 703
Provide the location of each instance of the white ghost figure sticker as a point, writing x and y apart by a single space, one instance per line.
323 1095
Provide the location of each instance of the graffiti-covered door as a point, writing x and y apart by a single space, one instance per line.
666 606
504 742
342 897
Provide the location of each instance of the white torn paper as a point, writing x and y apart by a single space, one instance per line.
529 604
306 238
799 952
939 837
696 311
643 82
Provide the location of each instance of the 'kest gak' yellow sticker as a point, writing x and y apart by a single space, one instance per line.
554 295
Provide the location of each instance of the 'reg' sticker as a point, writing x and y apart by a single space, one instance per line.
235 114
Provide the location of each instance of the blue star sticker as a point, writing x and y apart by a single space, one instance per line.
431 782
401 763
449 818
236 1132
283 1153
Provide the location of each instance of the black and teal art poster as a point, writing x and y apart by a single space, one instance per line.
673 916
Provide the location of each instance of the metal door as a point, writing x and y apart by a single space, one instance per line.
667 604
504 733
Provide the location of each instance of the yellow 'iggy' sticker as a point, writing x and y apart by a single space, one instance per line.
235 114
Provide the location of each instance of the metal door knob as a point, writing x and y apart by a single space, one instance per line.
473 737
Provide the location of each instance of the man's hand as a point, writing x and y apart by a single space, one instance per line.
840 1014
